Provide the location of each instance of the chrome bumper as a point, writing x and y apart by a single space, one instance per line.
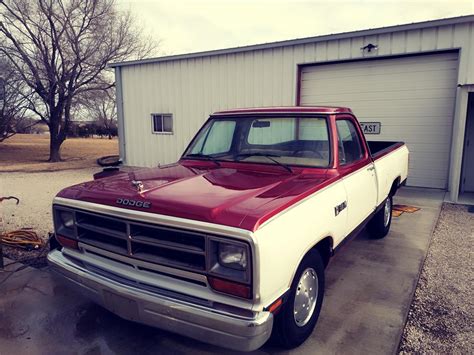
194 321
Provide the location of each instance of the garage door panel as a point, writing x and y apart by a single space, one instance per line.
405 107
393 102
427 63
382 88
426 182
428 174
387 87
413 137
429 148
355 74
413 98
411 112
412 134
421 121
428 161
382 81
430 171
405 95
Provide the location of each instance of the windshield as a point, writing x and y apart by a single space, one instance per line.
270 140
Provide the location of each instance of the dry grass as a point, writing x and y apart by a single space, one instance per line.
30 152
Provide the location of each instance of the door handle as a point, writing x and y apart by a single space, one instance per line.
371 168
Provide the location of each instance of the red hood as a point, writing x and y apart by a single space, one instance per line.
231 195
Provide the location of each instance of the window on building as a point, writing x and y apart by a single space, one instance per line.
350 148
162 122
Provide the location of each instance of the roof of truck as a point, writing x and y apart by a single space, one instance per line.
286 109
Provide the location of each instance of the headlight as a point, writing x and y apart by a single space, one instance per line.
232 256
67 219
230 267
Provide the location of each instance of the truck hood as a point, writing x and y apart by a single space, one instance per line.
226 195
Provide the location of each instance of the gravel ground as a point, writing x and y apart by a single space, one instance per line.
441 317
36 192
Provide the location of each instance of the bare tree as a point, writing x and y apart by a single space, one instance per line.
61 48
15 99
100 108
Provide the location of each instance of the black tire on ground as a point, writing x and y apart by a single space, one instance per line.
286 330
109 160
379 225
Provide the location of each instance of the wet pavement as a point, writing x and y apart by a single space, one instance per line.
369 287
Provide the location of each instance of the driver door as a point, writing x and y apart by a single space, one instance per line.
357 167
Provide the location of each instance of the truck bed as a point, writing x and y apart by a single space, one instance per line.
380 148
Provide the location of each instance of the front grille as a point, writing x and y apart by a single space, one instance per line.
145 286
156 244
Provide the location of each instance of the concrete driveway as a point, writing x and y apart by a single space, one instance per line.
370 285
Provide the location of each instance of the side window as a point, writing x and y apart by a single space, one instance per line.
349 145
217 140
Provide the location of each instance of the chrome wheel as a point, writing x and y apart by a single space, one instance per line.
387 212
305 297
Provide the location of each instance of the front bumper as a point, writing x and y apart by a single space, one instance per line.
194 321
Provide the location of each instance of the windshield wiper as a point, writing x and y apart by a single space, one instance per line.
203 157
268 156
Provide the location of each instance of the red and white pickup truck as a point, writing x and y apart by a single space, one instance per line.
230 243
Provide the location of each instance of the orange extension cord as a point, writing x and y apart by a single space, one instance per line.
22 238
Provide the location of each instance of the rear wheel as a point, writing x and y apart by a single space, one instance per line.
379 225
296 321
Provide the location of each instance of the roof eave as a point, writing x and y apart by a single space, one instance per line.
343 35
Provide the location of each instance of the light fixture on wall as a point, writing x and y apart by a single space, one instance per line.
370 47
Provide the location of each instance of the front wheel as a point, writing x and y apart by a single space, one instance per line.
379 225
296 321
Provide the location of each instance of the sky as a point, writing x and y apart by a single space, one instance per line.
185 26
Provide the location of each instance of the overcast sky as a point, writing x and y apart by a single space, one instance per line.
185 26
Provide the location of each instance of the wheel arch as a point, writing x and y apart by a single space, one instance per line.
394 187
324 247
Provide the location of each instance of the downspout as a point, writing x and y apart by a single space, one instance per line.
120 117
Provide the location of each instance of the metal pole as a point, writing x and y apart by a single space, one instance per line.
2 265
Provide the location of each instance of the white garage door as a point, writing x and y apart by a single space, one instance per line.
412 97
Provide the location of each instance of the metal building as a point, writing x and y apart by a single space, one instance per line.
410 82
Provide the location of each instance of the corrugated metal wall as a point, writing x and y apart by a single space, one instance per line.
191 89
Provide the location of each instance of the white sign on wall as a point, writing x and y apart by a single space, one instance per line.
371 127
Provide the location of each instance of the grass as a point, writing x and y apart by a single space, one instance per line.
30 152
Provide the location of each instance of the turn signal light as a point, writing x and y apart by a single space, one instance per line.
275 307
230 287
66 242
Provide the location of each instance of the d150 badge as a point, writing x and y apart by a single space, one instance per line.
340 208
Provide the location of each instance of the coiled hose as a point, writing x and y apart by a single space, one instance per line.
22 238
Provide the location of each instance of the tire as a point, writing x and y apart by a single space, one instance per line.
291 330
379 225
109 160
